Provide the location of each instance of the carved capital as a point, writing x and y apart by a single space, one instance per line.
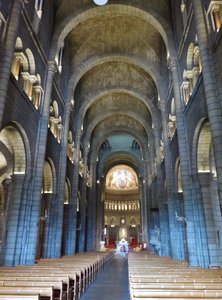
52 66
68 107
172 63
161 105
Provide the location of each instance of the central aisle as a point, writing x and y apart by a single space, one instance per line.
112 284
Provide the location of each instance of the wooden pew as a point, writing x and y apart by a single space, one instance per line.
58 290
66 283
68 277
17 297
174 293
44 292
152 277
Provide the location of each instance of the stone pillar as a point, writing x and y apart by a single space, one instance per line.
144 203
90 240
176 234
210 206
99 213
48 216
56 228
72 215
7 53
210 88
8 255
83 204
34 206
196 229
164 229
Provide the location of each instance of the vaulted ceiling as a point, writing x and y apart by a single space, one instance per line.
118 53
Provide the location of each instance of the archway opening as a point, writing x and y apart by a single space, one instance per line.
121 208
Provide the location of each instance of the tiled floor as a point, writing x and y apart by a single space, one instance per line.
112 284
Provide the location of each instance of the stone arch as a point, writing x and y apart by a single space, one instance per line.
71 21
82 69
201 147
203 150
13 140
97 143
105 115
90 100
67 191
109 161
178 176
49 177
31 61
15 162
190 52
55 108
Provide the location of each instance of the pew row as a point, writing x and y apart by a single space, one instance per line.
67 278
154 277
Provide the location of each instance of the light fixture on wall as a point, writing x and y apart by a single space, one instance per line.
100 2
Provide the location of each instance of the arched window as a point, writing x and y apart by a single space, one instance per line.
24 70
190 76
47 179
55 121
67 192
18 60
215 14
71 149
172 119
203 149
179 177
37 92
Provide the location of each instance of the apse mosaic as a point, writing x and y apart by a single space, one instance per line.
121 177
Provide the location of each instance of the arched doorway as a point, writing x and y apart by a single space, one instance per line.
121 207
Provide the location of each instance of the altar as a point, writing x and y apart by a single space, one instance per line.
122 246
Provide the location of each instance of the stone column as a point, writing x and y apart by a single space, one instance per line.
56 228
99 213
198 254
83 204
34 206
90 240
144 202
7 53
176 230
210 88
48 216
10 247
210 210
72 216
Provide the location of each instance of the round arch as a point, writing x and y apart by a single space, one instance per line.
201 147
49 177
93 98
108 114
71 21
